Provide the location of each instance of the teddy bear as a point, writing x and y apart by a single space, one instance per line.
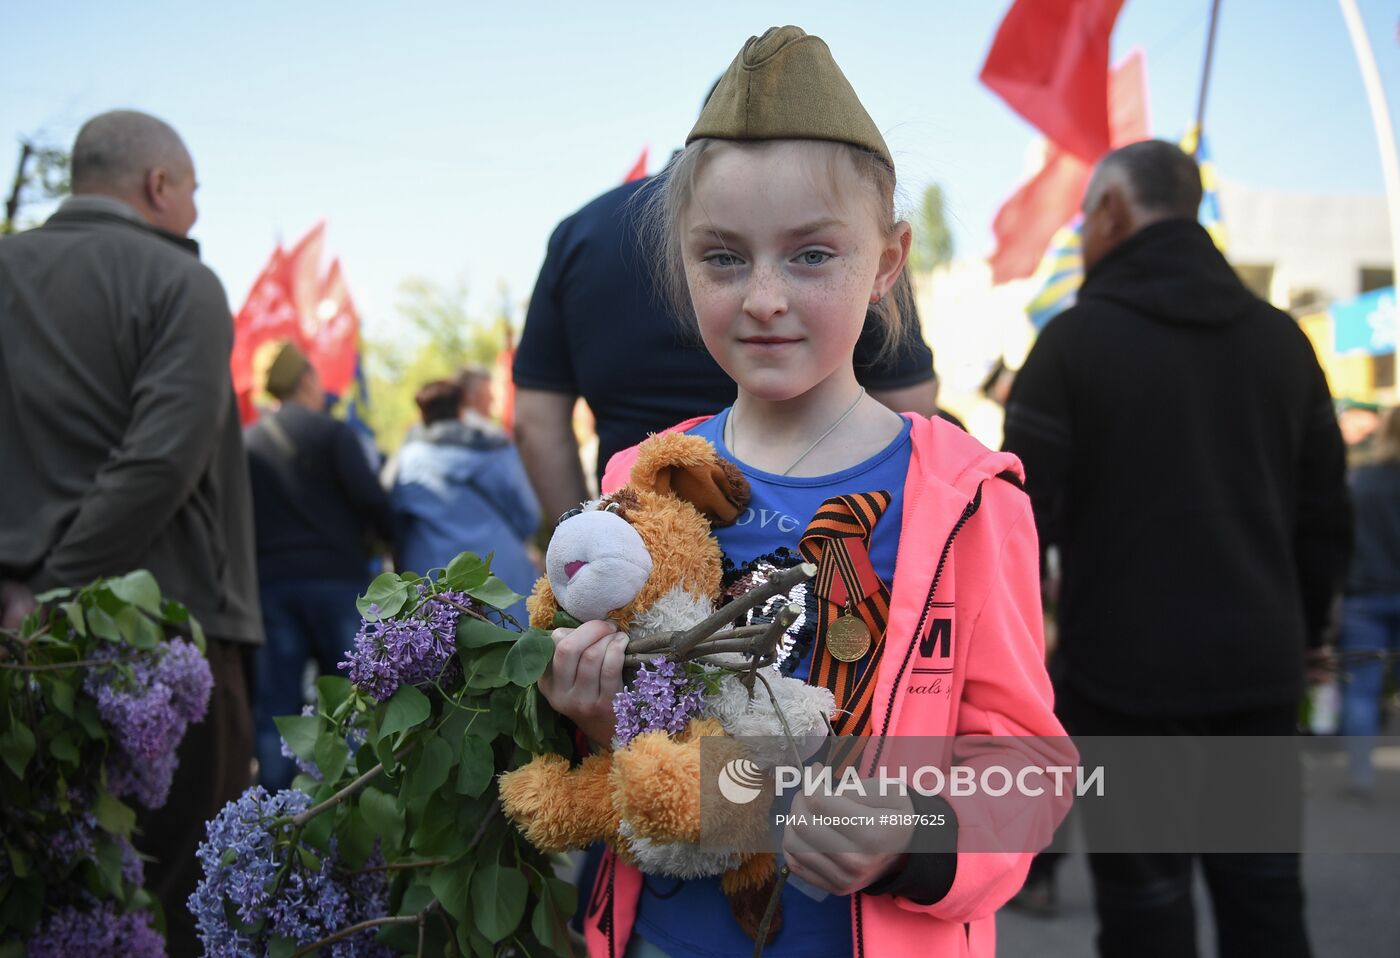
645 558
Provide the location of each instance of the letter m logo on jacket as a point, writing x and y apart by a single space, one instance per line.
938 641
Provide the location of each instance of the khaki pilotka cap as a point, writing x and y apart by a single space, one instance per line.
785 85
286 370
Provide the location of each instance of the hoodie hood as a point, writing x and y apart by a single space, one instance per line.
1170 272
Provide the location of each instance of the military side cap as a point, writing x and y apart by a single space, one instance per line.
286 370
785 85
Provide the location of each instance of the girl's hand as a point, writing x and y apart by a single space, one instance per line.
836 857
584 675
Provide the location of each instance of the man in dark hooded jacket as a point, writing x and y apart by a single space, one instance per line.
1181 451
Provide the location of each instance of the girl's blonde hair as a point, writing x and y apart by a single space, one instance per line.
666 206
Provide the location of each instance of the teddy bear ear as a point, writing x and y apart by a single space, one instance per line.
688 468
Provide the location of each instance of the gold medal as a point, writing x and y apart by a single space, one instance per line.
847 639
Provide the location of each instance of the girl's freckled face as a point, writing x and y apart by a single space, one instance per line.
780 267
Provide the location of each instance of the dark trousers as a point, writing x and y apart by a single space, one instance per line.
216 762
1143 901
303 619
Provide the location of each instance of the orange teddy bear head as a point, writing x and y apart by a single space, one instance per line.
647 548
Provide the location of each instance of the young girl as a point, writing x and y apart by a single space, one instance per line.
778 230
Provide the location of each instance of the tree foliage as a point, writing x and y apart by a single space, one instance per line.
933 241
441 336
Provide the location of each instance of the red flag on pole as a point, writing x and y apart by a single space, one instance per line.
1028 219
292 300
1049 62
639 168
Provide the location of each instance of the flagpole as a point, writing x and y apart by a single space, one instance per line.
1205 78
1380 119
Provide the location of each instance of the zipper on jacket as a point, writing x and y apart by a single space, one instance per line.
968 512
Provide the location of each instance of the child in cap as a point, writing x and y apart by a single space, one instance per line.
777 231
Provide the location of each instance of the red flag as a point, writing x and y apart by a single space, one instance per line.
1027 221
267 314
336 331
292 300
639 168
1049 62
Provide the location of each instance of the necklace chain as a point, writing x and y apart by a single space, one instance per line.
730 428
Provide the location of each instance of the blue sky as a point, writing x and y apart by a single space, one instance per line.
445 140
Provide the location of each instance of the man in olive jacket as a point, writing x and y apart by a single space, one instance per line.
1181 451
120 445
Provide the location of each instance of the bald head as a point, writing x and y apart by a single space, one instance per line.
141 161
1132 188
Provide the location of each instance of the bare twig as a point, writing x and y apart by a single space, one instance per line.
354 787
659 643
780 584
419 919
761 938
466 609
57 666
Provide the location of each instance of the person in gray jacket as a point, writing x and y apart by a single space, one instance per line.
120 446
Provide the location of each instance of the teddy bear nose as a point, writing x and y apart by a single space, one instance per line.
571 568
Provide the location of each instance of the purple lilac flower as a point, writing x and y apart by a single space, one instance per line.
76 841
310 905
148 701
185 671
133 868
663 697
101 931
407 651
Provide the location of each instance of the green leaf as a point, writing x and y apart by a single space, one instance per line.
558 901
73 611
486 667
466 572
436 764
109 867
278 947
407 708
562 620
139 631
332 691
387 593
309 861
478 766
89 719
139 589
301 732
355 840
528 657
498 900
61 695
114 817
22 906
332 754
64 748
494 593
382 814
17 747
14 948
450 884
103 625
475 634
197 634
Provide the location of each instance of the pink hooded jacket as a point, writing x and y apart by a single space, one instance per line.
967 552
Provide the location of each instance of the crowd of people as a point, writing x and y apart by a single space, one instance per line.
1171 436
